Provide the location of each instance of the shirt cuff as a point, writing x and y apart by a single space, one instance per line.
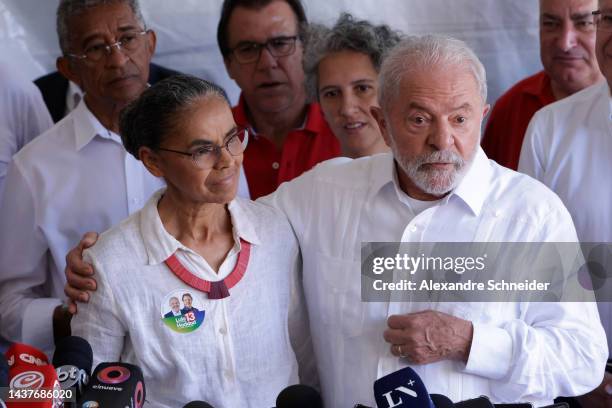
490 353
37 326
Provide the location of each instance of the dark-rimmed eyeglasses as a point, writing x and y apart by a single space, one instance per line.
128 42
249 51
205 157
603 20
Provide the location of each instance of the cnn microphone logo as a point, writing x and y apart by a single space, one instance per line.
28 379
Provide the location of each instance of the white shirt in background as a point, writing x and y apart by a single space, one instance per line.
74 178
241 356
568 147
23 116
520 351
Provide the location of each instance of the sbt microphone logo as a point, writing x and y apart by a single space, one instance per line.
71 376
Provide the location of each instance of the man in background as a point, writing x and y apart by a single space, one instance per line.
261 44
568 147
567 50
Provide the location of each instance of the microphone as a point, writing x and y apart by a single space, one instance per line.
299 396
402 388
29 369
198 404
73 358
480 402
115 385
441 401
4 368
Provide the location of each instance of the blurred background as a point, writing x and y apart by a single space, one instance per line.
504 33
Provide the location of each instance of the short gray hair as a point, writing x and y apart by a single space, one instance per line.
70 8
425 53
148 120
347 34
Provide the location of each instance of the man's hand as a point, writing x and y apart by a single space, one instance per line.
600 397
79 274
429 336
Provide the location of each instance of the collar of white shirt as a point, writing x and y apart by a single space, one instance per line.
159 244
87 126
472 189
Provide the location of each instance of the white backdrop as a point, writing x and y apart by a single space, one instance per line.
502 32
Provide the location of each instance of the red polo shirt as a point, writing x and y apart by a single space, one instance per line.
266 167
510 117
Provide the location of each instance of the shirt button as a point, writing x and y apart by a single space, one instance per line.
223 331
497 213
275 165
413 228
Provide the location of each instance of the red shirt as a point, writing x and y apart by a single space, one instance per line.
266 167
510 117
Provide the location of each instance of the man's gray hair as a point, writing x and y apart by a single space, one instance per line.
347 34
70 8
426 53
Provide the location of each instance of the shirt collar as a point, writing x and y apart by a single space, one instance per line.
312 123
540 88
472 189
87 126
159 244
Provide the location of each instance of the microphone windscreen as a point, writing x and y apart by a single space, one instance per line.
441 401
299 396
22 354
115 385
75 351
198 404
25 376
3 371
480 402
402 388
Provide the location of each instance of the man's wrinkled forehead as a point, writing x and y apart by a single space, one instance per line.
275 18
98 20
576 8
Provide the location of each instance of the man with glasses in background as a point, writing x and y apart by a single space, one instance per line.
568 147
567 51
261 44
77 176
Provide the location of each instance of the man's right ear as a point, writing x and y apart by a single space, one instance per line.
228 66
379 116
65 67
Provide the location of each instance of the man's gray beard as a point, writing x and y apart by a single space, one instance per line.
430 180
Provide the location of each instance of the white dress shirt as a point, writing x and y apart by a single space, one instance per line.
74 178
241 356
520 352
568 147
23 116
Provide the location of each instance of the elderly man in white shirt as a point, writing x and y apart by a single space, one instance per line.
437 185
568 147
75 177
23 116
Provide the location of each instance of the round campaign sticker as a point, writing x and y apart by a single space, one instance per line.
182 310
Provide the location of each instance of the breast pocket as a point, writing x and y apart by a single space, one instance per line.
336 290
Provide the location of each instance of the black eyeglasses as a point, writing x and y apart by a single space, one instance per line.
128 42
248 52
205 157
603 20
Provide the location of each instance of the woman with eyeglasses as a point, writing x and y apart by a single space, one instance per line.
199 288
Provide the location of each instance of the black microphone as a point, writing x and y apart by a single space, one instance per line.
4 369
480 402
441 401
72 359
402 389
299 396
115 385
198 404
